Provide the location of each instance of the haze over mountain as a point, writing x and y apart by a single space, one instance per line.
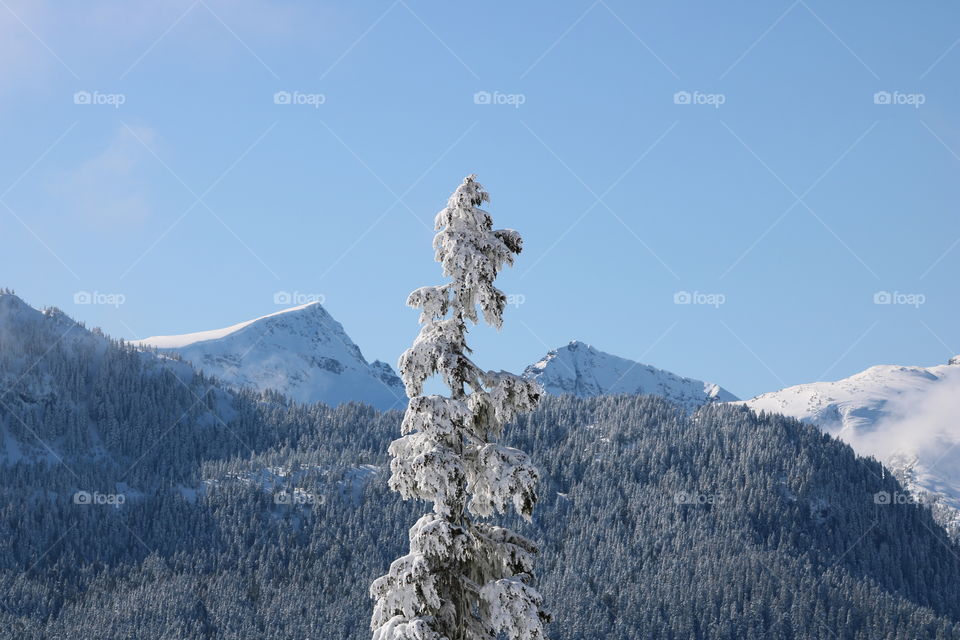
581 370
301 352
906 416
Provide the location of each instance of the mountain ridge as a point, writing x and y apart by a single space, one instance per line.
301 352
581 370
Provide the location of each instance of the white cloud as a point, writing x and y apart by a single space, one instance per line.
110 188
923 423
23 56
44 43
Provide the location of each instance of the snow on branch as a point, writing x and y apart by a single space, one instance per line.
435 537
408 589
421 468
511 394
514 608
437 416
501 476
397 628
439 348
503 552
434 302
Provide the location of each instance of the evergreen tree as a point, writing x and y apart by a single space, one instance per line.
463 579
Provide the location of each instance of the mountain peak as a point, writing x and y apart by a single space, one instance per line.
308 310
954 360
301 352
582 370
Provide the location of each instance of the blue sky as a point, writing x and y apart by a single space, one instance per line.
735 151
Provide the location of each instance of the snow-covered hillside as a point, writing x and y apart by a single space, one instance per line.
581 370
301 352
19 321
48 365
908 417
30 336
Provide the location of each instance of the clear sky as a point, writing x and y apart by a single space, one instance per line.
785 162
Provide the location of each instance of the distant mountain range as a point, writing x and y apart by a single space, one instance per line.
905 416
305 354
142 500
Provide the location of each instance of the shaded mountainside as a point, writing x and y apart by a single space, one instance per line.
581 370
217 513
301 352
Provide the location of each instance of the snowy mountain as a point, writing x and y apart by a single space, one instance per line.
581 370
301 352
904 416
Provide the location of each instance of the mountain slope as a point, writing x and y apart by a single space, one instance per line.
583 371
221 513
301 352
653 524
905 416
23 328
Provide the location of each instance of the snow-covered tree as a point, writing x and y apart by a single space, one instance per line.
464 578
